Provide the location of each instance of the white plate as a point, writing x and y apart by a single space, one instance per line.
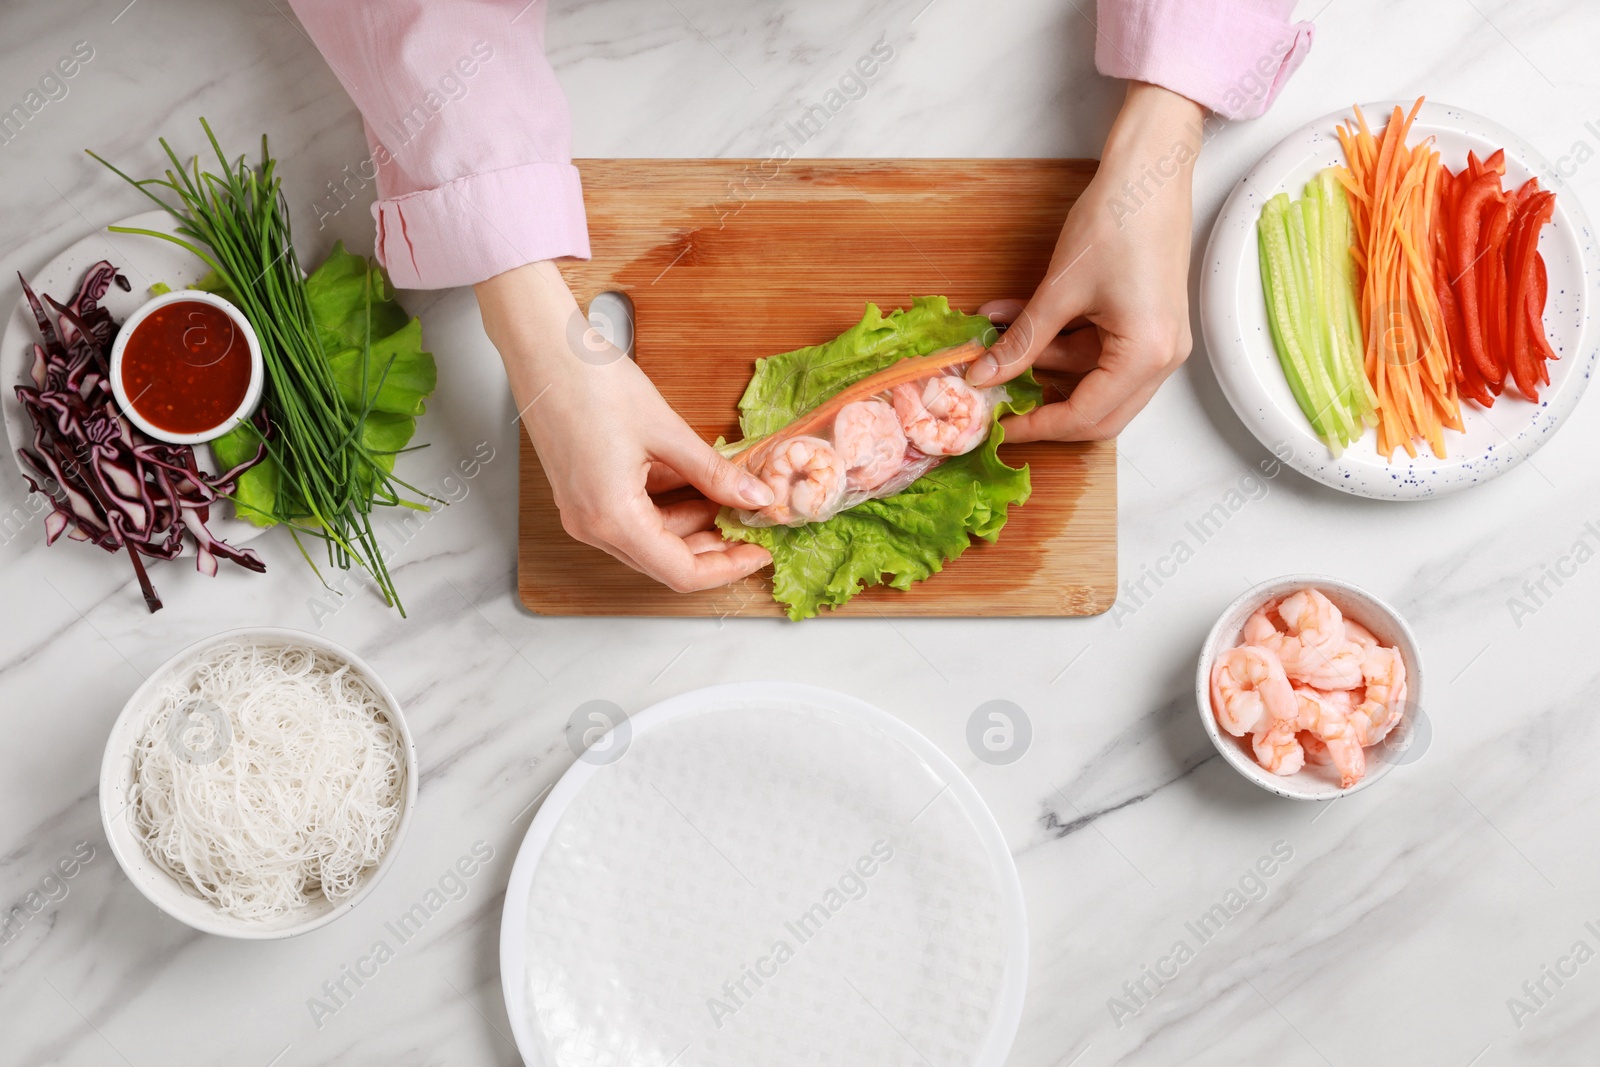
1233 317
144 261
649 887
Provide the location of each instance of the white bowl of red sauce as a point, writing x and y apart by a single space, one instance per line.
186 367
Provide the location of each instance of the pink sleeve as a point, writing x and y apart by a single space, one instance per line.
1231 56
470 138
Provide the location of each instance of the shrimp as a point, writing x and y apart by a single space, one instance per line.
1323 720
1359 634
870 443
1248 687
1316 752
1250 694
1329 670
1342 699
1314 647
1385 700
807 479
1312 618
1259 628
1278 749
944 416
1303 663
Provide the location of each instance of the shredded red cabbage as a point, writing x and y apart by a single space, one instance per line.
107 481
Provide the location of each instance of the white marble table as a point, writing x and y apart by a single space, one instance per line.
1396 931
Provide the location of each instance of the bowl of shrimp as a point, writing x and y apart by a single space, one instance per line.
1310 687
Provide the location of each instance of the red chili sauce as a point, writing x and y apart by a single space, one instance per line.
186 368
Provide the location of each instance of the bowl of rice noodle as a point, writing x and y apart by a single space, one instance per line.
259 783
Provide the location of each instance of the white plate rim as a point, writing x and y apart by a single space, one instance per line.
1220 320
513 922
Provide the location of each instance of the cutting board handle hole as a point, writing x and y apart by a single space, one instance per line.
611 316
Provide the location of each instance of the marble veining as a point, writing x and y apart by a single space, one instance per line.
1405 927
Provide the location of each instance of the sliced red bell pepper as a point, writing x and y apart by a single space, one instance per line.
1522 369
1535 311
1465 245
1469 383
1496 163
1524 191
1491 270
1528 362
1443 201
1444 212
1540 210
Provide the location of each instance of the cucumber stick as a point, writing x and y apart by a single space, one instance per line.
1308 280
1344 321
1305 240
1276 280
1286 273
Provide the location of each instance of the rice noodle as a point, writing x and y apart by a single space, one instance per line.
287 790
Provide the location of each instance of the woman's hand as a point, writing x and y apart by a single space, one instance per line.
607 439
1115 305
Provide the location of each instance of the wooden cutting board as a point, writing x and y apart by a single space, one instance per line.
727 260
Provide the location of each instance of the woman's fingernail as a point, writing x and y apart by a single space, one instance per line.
983 370
757 492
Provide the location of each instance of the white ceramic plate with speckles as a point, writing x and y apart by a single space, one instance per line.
144 261
1233 317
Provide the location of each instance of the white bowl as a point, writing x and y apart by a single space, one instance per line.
252 393
165 892
1314 782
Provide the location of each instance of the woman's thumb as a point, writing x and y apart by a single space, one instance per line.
1022 343
708 471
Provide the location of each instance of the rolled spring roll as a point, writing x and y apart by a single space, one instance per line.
871 439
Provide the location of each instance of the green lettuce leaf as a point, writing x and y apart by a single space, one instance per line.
913 534
785 387
385 433
337 294
255 498
398 373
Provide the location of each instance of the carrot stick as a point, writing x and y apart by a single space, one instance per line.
1397 193
906 370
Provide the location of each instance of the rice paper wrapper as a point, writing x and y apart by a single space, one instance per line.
766 884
